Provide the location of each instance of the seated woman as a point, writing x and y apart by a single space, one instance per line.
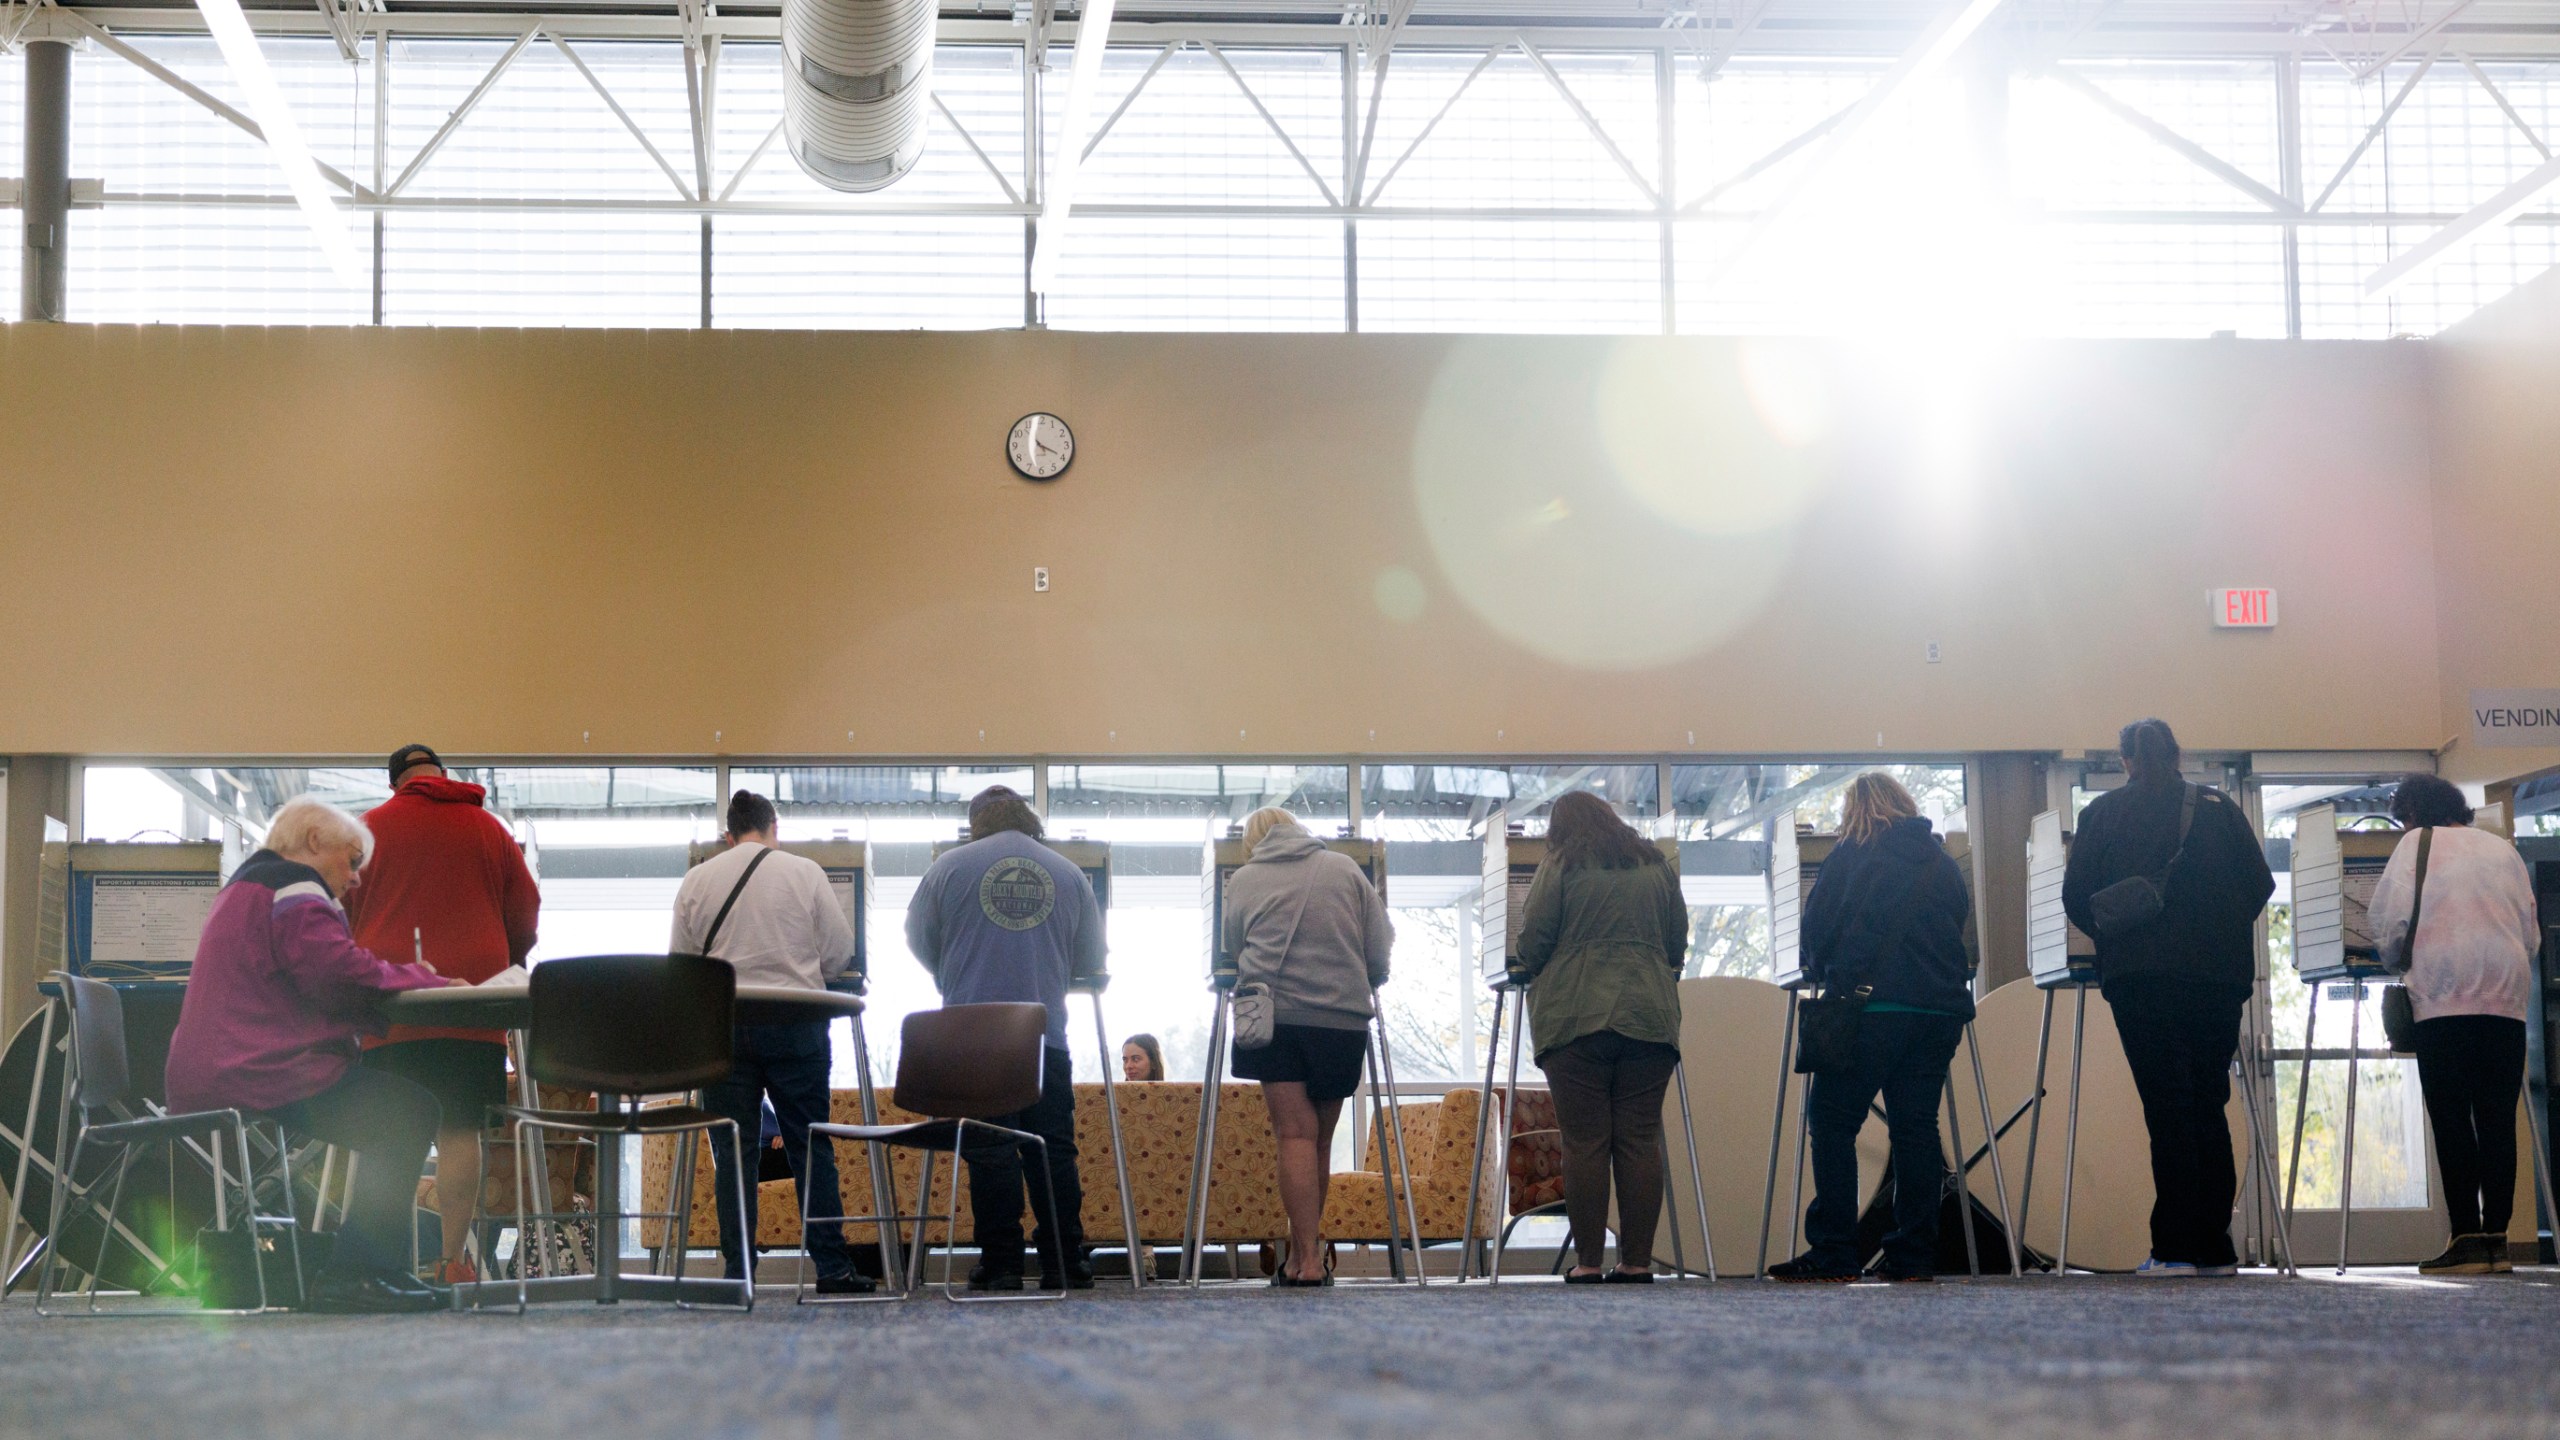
1602 937
276 1005
1141 1058
1887 915
1307 923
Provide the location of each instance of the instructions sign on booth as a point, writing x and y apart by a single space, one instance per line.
2515 718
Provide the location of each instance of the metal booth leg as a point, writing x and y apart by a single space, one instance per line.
2262 1158
1777 1134
1395 1134
1510 1107
1991 1143
2035 1117
1195 1226
26 1148
1138 1255
2347 1157
1484 1121
885 1231
1697 1181
2541 1169
1964 1181
2301 1106
2071 1126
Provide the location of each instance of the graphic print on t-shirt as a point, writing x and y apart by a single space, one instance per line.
1017 893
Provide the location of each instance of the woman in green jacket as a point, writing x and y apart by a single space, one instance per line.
1601 943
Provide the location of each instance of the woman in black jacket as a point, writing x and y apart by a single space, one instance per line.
1887 915
2177 981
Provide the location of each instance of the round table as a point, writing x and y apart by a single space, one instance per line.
510 1007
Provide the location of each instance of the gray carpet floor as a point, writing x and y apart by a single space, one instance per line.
2380 1354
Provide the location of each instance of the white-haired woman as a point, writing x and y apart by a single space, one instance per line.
276 1005
1307 923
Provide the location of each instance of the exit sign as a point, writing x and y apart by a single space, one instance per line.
2244 609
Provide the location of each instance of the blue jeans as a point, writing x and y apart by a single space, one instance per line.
1905 1057
789 1063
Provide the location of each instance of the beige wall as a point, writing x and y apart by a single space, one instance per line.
280 541
2497 505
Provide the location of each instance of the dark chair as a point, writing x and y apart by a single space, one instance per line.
102 1083
625 1027
958 1065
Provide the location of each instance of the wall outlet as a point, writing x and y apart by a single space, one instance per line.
1933 652
1040 584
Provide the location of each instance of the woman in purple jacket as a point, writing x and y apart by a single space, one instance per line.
276 1005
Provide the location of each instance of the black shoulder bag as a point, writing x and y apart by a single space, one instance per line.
2136 901
2399 1016
722 918
1827 1024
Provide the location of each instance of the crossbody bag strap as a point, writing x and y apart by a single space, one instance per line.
2417 899
722 918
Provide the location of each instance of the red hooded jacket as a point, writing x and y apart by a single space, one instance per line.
446 869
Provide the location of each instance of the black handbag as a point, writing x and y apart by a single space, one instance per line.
229 1261
1827 1030
2136 901
2399 1015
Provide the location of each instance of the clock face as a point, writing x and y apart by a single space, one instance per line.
1041 446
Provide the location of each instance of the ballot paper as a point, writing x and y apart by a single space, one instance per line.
513 977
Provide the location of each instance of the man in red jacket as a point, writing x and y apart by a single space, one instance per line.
448 884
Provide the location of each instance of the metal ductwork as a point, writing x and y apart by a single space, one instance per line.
856 78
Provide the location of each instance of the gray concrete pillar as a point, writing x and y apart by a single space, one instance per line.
2003 791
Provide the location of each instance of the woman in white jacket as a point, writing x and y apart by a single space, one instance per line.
2470 976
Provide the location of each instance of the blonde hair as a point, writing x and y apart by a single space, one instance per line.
1259 825
1875 800
306 826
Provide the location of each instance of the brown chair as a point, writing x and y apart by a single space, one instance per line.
957 1065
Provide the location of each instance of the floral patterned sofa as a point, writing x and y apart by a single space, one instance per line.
1159 1122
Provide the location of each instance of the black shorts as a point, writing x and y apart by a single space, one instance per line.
1327 1061
467 1077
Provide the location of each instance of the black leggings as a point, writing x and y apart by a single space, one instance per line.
2471 1068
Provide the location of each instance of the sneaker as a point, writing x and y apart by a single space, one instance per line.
2219 1272
1896 1275
2495 1248
982 1278
847 1285
1804 1270
2462 1257
2153 1268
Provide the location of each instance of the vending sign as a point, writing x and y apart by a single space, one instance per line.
2244 609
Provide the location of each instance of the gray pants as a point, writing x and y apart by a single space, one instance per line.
1608 1090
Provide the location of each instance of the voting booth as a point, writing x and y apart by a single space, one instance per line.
1221 858
1511 863
1796 857
1092 858
130 915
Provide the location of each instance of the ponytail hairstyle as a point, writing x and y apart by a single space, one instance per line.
1584 831
1874 803
2149 747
